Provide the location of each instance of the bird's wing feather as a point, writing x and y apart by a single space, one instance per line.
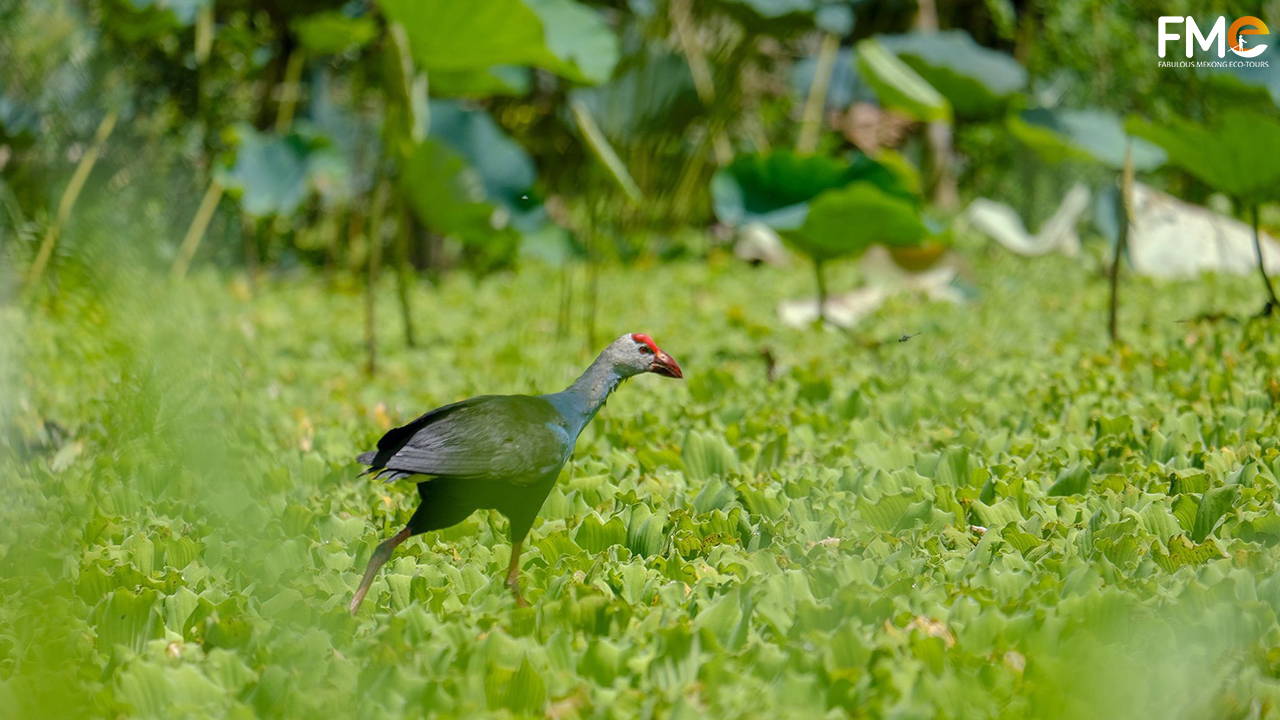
497 437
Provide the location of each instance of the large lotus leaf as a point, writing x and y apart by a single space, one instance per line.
558 35
505 169
780 17
448 196
18 122
1235 156
408 113
338 174
445 191
330 33
776 188
1263 79
273 174
834 17
487 82
654 95
898 86
977 81
843 89
143 20
1096 135
772 17
578 35
849 220
774 9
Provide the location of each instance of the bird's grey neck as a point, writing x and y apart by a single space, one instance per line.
587 394
596 383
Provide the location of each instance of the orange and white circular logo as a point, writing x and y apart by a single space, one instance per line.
1238 32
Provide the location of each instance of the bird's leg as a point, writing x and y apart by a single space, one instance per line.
380 557
513 574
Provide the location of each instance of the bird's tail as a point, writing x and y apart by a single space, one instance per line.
386 474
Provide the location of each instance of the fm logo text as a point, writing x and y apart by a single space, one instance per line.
1234 37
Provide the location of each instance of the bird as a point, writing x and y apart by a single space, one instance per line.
500 452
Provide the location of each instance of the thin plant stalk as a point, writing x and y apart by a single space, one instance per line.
404 274
604 152
1272 303
700 69
196 231
373 266
566 301
811 121
290 90
939 134
70 195
1123 216
822 291
593 289
355 233
204 33
249 233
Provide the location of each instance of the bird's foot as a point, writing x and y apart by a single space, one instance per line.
514 586
379 558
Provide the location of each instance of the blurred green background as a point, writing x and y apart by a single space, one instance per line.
240 240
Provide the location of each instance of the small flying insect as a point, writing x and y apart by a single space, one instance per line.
905 337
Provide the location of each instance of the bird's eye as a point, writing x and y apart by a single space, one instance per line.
646 350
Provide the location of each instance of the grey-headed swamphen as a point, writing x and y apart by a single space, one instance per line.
500 452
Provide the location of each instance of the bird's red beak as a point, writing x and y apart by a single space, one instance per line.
665 365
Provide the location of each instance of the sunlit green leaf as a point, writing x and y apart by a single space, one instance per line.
559 35
898 86
1224 154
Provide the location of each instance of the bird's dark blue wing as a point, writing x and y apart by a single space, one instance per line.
513 438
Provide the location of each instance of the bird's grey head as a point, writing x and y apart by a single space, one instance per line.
637 353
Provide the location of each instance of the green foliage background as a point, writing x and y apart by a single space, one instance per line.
183 525
1006 515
